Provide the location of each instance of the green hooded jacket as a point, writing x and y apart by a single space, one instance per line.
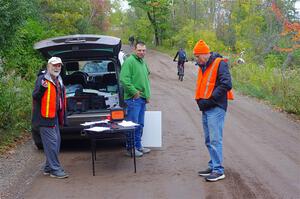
134 77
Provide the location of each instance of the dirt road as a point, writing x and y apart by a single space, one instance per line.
261 152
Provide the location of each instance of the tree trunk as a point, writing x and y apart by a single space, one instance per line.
156 30
287 61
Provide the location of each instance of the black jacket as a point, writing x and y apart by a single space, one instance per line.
223 84
37 94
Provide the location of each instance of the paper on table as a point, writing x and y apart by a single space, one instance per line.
95 122
127 123
98 129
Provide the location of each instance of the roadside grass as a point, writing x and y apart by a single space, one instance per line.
279 88
11 140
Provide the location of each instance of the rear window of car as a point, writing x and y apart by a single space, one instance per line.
92 67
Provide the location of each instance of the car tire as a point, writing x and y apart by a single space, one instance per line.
37 140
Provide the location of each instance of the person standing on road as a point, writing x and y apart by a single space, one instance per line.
134 77
49 105
131 40
213 90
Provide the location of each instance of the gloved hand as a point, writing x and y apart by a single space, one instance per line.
205 104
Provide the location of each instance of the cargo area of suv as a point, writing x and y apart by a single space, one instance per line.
90 74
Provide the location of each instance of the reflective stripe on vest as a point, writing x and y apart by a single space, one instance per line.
48 103
206 82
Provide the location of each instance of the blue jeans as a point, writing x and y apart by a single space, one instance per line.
136 113
213 123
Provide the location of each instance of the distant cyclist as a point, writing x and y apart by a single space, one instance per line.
181 54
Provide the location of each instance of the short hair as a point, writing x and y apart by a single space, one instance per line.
139 43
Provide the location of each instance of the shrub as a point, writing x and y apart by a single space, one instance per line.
15 109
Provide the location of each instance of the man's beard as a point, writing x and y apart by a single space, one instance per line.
54 73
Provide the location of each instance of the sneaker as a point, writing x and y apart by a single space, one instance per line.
215 177
205 173
137 153
46 172
145 150
59 174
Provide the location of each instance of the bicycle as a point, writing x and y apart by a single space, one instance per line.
180 69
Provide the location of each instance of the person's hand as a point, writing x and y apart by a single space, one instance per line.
147 101
174 60
44 83
137 95
204 104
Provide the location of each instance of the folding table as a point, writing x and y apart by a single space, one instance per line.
112 128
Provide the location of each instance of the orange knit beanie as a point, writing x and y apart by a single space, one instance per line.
201 48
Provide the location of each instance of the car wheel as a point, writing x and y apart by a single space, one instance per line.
37 140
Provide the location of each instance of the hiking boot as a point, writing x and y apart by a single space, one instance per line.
58 174
213 177
144 150
137 153
205 173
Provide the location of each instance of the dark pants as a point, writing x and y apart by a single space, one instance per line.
51 143
180 67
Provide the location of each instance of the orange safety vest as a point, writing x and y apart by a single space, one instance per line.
206 82
48 103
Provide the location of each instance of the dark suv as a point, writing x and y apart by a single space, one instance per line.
90 73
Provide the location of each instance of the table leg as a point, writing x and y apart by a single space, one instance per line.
93 145
133 147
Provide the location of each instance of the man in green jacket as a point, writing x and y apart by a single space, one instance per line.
134 78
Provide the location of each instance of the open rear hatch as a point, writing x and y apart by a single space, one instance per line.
76 47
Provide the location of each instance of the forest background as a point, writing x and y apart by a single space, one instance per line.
264 33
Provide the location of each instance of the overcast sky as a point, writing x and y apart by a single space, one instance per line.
124 4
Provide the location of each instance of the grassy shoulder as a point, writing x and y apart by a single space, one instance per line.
280 88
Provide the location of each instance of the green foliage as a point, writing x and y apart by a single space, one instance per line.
15 109
75 16
296 59
187 39
21 57
12 15
143 29
281 89
67 17
157 12
273 61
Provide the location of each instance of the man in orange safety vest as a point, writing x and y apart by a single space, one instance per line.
49 106
213 90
